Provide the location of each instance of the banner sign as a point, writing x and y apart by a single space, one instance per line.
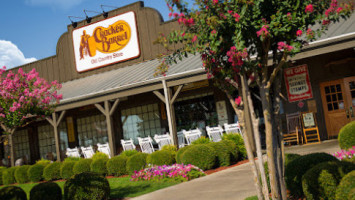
298 83
105 42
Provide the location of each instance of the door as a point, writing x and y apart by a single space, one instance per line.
349 86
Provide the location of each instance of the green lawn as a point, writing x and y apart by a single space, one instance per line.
120 187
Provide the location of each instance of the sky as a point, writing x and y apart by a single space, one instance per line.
30 29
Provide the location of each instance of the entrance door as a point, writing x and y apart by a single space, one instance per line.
338 99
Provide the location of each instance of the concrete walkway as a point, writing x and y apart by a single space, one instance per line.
234 183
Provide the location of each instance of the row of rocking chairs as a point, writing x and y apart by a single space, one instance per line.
88 152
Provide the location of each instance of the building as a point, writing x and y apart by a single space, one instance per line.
109 92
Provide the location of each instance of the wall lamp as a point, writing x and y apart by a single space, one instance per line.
104 13
74 24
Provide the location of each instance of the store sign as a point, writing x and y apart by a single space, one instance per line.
298 83
105 42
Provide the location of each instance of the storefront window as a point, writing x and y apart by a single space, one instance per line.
141 121
47 140
21 144
92 130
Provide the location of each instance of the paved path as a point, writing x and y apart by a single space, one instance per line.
234 183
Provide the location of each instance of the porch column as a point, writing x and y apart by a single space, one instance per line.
108 112
55 123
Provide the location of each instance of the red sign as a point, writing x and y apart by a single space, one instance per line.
298 83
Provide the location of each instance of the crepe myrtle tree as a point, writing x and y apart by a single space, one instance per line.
24 97
249 41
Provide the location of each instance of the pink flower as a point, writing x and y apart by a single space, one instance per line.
281 45
289 17
236 16
194 38
213 32
170 14
299 33
309 8
175 15
339 10
263 32
183 34
215 1
238 100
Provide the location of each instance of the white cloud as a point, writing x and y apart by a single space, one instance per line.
64 4
11 56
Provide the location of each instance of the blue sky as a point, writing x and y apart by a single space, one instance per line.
30 29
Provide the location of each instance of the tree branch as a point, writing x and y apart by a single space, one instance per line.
276 70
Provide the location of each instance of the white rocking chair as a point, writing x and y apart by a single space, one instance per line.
181 138
192 135
88 151
73 152
104 148
215 133
232 128
128 145
162 140
146 144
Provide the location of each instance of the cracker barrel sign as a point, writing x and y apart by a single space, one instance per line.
105 42
298 83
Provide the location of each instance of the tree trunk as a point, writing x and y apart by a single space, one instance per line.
11 143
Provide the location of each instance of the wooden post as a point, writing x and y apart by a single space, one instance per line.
55 123
168 110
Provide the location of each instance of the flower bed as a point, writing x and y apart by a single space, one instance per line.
343 154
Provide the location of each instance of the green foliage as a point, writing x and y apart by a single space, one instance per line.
43 162
46 191
202 140
21 174
12 193
66 169
98 165
351 195
200 155
347 184
224 156
169 147
238 140
136 162
8 176
289 157
99 155
162 157
72 159
35 172
87 186
52 171
81 166
346 136
299 166
180 152
129 153
232 148
117 165
321 181
1 170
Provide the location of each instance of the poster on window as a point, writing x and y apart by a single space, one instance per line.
297 83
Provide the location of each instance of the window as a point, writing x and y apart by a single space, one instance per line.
142 121
92 130
21 144
47 140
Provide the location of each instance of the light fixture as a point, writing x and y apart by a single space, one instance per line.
104 13
88 19
74 24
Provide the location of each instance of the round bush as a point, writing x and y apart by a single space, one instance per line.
346 136
99 165
66 169
117 166
8 176
180 152
351 195
162 157
43 162
136 162
347 184
238 140
85 186
12 193
321 181
72 159
232 148
224 156
299 166
52 171
201 140
1 170
35 172
81 166
21 174
200 155
98 155
45 191
169 147
129 153
289 157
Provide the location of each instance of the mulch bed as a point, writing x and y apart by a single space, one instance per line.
211 171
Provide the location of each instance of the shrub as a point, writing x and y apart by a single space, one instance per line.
223 154
238 140
169 147
87 185
35 172
320 182
99 155
99 165
81 166
1 170
8 176
289 157
162 157
299 166
136 162
117 166
201 140
21 174
200 155
12 193
180 152
351 195
52 171
43 162
45 191
129 153
347 184
232 148
72 159
346 136
66 169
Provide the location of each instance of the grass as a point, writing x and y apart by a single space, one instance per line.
252 198
120 187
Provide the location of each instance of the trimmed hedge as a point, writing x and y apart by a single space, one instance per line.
52 171
238 140
71 159
162 157
46 191
202 140
321 181
8 176
81 166
129 153
169 147
136 162
99 155
117 166
200 155
43 162
233 149
21 174
12 193
180 152
351 195
299 166
85 186
346 136
224 156
98 165
66 169
35 172
347 184
1 170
